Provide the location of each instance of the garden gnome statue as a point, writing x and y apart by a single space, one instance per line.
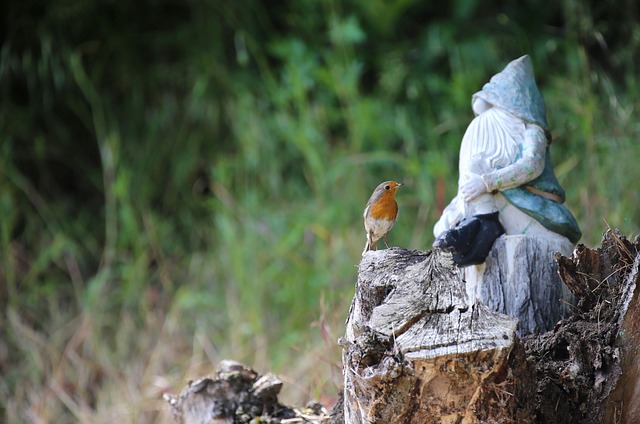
506 183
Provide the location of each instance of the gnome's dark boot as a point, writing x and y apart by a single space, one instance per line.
472 239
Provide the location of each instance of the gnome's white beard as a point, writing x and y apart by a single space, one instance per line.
489 143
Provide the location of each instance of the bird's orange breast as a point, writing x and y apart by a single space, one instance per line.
385 207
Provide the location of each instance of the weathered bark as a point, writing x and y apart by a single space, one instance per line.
586 369
416 351
624 402
239 395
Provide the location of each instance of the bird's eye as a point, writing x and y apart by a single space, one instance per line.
387 187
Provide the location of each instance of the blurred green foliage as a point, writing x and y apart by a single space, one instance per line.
173 171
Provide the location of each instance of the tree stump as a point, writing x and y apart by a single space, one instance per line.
417 351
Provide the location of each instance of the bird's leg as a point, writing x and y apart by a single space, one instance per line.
385 240
368 245
373 245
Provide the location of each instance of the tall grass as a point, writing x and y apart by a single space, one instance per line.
189 187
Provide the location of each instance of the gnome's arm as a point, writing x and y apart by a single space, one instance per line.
528 167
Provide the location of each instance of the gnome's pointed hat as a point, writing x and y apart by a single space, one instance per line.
514 90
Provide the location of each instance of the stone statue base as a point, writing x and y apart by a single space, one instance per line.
520 279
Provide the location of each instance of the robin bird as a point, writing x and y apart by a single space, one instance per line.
380 214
